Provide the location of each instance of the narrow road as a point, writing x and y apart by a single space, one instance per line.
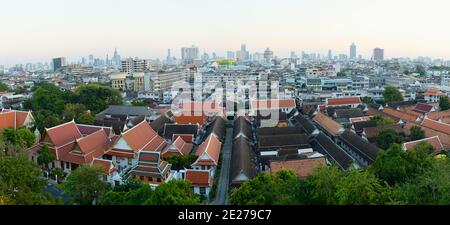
223 182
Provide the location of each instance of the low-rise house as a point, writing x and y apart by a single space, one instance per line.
217 127
141 137
305 124
188 132
352 102
424 108
401 116
150 168
208 155
361 150
433 95
201 181
429 133
244 162
242 128
267 143
178 147
327 125
15 119
436 125
303 167
371 133
74 145
360 126
335 154
433 141
284 105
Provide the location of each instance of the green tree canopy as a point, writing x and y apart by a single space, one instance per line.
84 184
382 120
444 103
181 161
20 182
4 87
45 155
416 133
388 137
392 94
391 165
97 98
21 137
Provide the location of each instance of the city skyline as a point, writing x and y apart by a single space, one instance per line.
45 29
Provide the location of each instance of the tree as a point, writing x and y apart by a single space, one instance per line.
392 94
45 156
444 103
388 137
367 100
4 87
84 185
181 161
391 165
323 184
85 118
137 103
416 133
21 137
97 98
45 119
20 182
360 187
175 192
267 189
421 70
341 74
73 111
383 120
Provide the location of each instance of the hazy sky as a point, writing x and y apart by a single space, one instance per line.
34 31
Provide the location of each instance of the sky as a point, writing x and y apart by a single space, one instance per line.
33 31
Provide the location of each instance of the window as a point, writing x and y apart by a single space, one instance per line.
158 180
150 179
202 190
142 177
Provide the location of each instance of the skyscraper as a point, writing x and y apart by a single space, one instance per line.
243 54
116 58
293 55
230 55
189 53
378 54
330 54
353 51
169 57
268 55
58 63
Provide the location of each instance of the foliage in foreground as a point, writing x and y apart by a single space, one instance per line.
396 177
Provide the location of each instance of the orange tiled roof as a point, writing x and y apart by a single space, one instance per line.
208 152
198 178
107 165
328 124
343 101
140 136
436 125
12 119
444 138
273 104
302 167
434 141
433 92
63 134
404 116
438 115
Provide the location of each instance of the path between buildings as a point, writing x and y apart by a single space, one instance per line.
223 182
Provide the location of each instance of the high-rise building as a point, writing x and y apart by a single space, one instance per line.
189 54
378 54
243 54
230 55
116 58
91 60
58 63
353 51
330 54
268 55
293 55
169 57
2 70
130 65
